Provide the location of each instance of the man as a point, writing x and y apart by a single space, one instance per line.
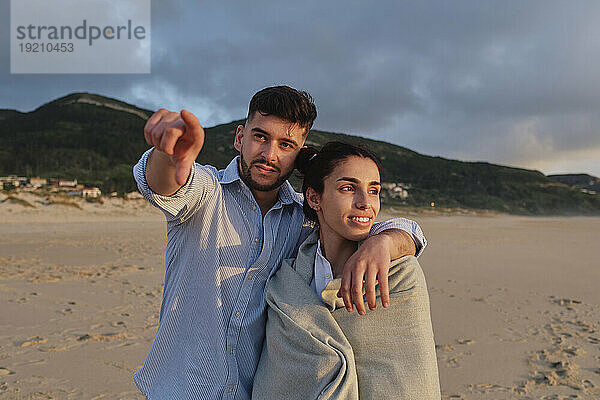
227 232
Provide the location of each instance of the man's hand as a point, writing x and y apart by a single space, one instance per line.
179 137
371 263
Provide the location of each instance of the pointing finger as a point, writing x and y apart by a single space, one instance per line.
190 119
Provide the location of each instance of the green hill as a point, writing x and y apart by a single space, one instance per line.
97 139
583 182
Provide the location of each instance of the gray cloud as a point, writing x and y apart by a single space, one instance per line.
512 83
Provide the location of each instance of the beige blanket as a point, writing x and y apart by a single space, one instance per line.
315 349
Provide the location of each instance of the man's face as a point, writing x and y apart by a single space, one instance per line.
268 147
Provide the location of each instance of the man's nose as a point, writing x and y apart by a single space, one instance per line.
269 152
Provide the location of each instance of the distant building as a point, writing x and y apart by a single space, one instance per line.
92 192
38 182
67 183
12 181
394 190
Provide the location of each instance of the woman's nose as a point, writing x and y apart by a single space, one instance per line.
360 200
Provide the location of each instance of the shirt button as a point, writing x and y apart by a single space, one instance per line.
230 390
328 276
254 208
231 351
256 240
250 277
237 314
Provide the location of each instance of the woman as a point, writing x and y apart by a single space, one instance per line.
314 348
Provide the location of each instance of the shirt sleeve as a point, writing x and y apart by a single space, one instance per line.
406 225
178 207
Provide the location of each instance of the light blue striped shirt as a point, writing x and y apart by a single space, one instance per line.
220 254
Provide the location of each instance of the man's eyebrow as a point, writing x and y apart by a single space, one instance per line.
354 180
260 130
292 141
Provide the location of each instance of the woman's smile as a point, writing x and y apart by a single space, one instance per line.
361 220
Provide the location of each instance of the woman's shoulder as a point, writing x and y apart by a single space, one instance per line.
405 275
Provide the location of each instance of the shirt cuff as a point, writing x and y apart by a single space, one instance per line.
171 204
406 225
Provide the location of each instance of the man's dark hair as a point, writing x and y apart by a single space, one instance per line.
316 165
286 103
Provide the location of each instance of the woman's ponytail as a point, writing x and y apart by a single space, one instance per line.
305 159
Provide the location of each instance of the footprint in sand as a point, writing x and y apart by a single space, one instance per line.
453 362
566 302
5 371
588 384
444 347
104 337
571 351
483 299
32 341
488 387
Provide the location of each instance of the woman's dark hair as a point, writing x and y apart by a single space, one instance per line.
286 103
317 165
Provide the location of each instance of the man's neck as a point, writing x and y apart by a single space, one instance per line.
265 200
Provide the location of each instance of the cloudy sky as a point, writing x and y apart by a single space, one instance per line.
509 82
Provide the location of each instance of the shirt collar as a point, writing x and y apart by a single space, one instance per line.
287 195
231 173
319 251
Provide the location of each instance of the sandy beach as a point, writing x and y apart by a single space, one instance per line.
515 301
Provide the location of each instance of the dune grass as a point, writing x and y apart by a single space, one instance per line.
66 203
17 200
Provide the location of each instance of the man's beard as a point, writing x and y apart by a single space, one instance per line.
251 183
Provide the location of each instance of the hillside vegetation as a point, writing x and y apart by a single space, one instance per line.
98 139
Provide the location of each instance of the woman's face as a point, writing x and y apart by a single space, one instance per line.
350 199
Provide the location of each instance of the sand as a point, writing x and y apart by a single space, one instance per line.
515 301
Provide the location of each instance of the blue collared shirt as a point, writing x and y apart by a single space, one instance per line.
220 253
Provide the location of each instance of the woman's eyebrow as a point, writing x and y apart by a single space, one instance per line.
354 180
